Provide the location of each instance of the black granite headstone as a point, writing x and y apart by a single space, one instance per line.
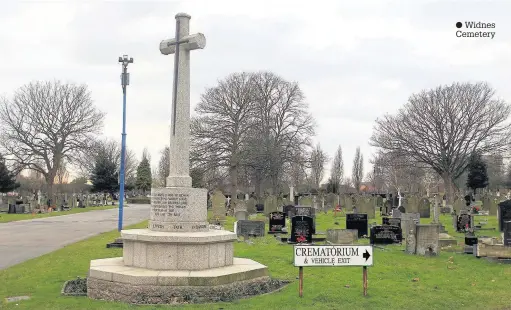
277 221
301 229
507 233
470 240
402 209
259 207
307 211
391 221
386 234
248 228
504 213
464 221
358 222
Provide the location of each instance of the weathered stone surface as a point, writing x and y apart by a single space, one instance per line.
342 236
162 294
498 251
178 209
109 279
427 239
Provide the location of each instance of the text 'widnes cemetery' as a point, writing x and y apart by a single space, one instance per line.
245 209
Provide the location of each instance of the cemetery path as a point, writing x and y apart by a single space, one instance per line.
23 240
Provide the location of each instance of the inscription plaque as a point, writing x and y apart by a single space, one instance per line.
178 210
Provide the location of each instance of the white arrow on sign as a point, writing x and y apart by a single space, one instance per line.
333 255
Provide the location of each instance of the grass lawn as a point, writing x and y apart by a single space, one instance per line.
5 218
449 281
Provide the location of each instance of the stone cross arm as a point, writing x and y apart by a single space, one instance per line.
189 42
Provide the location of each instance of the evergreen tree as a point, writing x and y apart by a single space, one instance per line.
104 177
144 175
7 178
477 174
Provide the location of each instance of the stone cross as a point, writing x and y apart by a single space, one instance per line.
181 46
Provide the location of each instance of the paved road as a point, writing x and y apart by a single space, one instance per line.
23 240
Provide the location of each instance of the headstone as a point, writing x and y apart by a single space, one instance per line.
251 206
504 214
424 208
486 203
458 205
385 234
241 215
277 221
250 228
391 221
358 222
464 222
301 229
291 193
270 204
289 210
307 211
401 209
379 201
507 233
341 236
470 240
259 207
410 246
427 240
348 202
445 210
305 201
218 207
494 207
396 213
239 205
387 208
366 205
409 221
411 204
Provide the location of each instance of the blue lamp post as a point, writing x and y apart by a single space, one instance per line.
125 81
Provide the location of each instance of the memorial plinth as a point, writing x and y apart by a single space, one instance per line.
177 259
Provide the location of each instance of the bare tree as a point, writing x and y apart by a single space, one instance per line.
282 126
357 171
337 171
47 122
443 126
318 162
252 123
163 166
221 127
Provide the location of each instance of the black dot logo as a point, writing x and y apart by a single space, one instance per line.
459 25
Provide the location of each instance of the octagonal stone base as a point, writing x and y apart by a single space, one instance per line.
149 249
110 279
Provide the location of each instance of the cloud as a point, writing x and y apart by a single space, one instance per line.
354 60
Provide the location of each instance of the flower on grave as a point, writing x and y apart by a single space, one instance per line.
301 239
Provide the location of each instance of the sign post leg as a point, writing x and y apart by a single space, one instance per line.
364 279
300 281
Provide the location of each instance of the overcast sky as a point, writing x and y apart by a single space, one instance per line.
354 62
